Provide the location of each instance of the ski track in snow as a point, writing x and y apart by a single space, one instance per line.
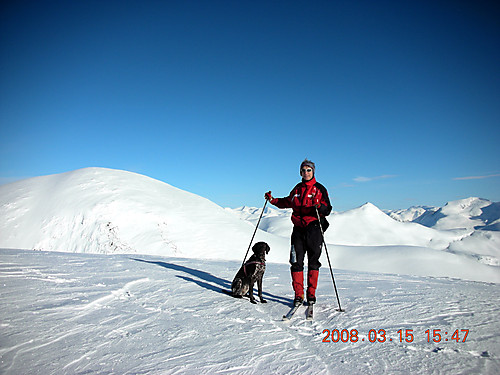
134 314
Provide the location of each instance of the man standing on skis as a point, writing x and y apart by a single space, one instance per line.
307 199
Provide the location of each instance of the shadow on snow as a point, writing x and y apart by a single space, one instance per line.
208 281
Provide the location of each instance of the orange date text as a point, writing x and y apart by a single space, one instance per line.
402 335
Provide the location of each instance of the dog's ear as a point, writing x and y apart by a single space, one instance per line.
268 249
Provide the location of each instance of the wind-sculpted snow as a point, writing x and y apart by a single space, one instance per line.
66 313
97 210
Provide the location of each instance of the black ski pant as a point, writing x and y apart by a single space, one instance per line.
308 240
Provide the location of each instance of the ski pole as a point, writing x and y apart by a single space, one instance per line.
328 257
255 231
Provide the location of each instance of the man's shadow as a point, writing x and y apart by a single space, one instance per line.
208 281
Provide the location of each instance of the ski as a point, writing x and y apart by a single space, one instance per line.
310 312
290 313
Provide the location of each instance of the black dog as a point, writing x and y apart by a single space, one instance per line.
252 271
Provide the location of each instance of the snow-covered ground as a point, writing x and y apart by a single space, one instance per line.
67 313
106 271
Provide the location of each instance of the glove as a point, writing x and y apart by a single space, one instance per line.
316 202
268 196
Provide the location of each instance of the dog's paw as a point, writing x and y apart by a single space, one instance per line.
253 301
262 300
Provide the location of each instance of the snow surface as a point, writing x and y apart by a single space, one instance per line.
68 313
129 273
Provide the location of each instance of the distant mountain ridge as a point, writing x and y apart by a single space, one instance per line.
469 213
467 226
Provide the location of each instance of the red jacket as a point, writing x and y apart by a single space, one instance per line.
302 199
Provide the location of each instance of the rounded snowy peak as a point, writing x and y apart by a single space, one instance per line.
101 210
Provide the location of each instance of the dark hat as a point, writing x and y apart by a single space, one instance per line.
308 163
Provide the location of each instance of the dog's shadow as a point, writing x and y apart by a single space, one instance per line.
208 281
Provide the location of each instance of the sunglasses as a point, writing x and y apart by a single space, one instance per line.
306 170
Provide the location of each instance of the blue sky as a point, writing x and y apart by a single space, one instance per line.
398 103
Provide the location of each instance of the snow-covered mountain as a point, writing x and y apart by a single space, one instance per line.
98 210
475 234
273 220
469 213
479 218
151 301
410 214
